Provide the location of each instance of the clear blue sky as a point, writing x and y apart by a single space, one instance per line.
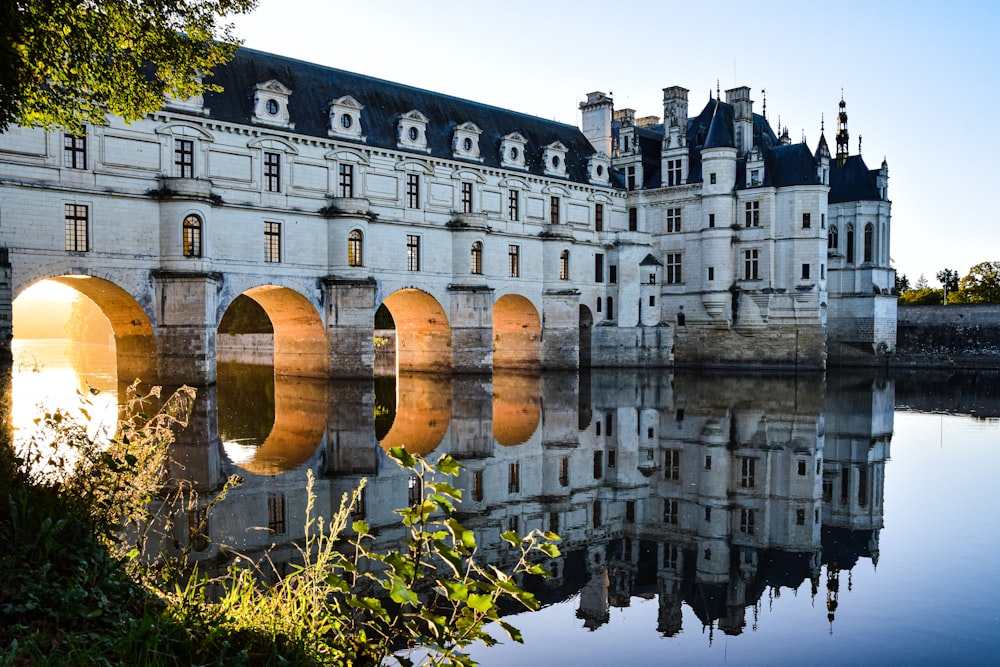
919 79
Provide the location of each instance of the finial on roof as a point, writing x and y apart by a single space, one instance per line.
763 91
859 144
718 95
822 122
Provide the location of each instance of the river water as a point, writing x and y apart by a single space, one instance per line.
845 518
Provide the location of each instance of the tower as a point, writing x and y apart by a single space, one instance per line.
842 136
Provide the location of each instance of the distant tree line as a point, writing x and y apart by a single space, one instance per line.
981 285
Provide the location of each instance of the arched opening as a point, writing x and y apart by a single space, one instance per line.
869 242
421 412
517 333
298 342
423 334
78 336
516 407
850 244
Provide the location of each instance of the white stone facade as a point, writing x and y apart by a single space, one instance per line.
492 237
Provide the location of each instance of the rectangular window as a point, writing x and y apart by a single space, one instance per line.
554 522
711 178
466 197
514 261
413 190
711 273
276 513
747 521
670 511
613 274
412 252
74 152
513 206
755 178
360 509
670 555
806 221
597 513
514 478
805 271
802 467
822 220
598 267
711 220
708 463
673 172
609 422
612 458
345 176
477 485
554 210
598 465
748 470
184 157
800 517
672 464
633 218
599 217
822 271
564 471
673 268
673 220
751 267
630 512
752 214
77 228
272 241
630 178
414 491
272 172
708 514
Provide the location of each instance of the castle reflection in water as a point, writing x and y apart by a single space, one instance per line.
706 490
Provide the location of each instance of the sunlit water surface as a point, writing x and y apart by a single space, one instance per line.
799 567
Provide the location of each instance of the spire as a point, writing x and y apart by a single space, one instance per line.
842 136
719 135
763 92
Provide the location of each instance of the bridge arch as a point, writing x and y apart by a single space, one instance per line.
301 346
423 333
517 333
135 340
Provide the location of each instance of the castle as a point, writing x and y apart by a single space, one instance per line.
491 238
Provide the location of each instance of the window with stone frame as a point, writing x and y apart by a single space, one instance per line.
806 220
564 265
554 210
751 264
673 268
272 242
672 464
355 248
514 261
674 172
598 217
670 511
674 219
191 236
513 205
633 218
77 217
74 151
752 214
345 179
184 158
272 171
476 258
412 252
413 191
748 472
466 197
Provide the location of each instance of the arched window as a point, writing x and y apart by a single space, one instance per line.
850 244
564 265
476 265
681 319
599 304
355 249
831 238
192 236
869 241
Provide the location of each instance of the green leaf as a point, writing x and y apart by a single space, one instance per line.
360 527
403 457
511 538
456 590
400 593
481 603
512 632
446 465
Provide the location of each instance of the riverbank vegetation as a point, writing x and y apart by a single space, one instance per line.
78 585
981 285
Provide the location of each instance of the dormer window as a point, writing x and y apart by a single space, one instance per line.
512 151
465 143
413 132
270 104
555 159
599 169
345 118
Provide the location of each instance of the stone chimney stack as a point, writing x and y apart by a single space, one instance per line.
742 118
596 121
675 109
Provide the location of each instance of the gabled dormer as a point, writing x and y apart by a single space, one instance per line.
345 119
554 159
270 105
822 157
512 151
465 142
412 132
599 169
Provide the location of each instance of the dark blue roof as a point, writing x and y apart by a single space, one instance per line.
852 182
720 134
793 164
313 86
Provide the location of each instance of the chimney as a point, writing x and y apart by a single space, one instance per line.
742 118
596 121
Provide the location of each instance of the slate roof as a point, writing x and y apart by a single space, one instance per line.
852 182
313 86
